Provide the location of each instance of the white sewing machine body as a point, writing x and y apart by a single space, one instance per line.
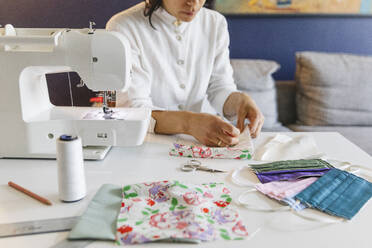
30 124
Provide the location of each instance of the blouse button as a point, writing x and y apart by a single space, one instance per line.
182 86
180 62
178 37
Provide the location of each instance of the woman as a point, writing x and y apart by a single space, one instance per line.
180 66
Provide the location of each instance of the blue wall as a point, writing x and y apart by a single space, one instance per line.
276 38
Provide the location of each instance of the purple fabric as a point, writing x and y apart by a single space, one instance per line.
272 172
266 177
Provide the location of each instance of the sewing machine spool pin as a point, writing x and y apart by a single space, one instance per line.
81 84
91 27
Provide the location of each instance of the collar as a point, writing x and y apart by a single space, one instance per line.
170 20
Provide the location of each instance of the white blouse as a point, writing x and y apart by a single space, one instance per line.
176 66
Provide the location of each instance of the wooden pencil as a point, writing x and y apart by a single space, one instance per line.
29 193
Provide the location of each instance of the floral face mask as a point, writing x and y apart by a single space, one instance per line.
243 150
174 211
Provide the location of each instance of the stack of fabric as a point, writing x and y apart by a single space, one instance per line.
313 183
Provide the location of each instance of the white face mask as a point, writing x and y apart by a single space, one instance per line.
283 147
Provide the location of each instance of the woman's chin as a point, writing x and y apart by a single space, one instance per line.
186 18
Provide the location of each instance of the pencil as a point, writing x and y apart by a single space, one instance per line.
29 193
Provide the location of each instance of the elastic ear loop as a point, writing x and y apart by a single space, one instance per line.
258 208
346 166
234 177
358 170
317 219
287 208
355 169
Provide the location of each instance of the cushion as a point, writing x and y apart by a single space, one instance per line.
255 78
333 89
277 128
286 98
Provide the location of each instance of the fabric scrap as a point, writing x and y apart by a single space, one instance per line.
243 150
175 211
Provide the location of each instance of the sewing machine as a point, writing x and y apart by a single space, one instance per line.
30 124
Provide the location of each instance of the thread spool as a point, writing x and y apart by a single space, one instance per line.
70 163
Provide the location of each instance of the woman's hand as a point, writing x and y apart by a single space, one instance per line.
211 130
208 129
243 106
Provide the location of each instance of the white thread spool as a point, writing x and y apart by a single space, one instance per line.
71 177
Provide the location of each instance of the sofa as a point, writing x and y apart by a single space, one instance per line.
330 93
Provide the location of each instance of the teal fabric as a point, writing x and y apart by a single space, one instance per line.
338 193
99 219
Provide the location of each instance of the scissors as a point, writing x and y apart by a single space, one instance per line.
193 165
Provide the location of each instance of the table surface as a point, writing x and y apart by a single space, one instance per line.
151 162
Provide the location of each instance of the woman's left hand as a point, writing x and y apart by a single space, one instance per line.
245 108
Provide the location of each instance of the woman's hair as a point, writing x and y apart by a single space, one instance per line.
152 5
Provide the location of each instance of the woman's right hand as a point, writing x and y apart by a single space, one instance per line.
211 130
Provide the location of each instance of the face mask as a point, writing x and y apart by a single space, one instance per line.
338 193
290 165
284 192
283 147
284 189
290 175
290 170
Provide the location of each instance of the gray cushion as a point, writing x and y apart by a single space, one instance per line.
333 89
277 128
286 95
359 135
255 78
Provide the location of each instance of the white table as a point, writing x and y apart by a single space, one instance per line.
151 162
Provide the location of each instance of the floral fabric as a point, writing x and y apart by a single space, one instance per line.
170 210
243 150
